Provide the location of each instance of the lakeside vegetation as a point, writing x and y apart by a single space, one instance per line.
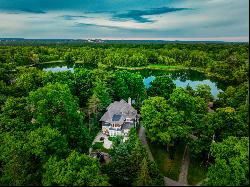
49 120
153 66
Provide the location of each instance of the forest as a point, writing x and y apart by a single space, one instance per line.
48 120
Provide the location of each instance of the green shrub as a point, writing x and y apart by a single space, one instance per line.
98 145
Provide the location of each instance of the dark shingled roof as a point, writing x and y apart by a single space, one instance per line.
119 108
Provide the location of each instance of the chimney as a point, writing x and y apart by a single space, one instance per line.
129 101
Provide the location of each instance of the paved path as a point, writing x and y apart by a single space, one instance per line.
106 143
184 166
171 182
167 181
142 136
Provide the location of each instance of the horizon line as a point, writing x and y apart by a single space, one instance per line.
220 39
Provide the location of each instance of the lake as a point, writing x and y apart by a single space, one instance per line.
62 66
181 78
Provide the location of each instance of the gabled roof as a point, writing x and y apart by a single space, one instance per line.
118 111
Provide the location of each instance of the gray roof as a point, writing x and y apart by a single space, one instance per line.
118 111
127 125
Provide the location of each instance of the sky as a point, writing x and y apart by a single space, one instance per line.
224 20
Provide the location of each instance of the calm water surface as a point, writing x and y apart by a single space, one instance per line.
181 78
214 89
57 69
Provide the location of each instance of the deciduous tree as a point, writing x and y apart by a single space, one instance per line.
231 167
76 170
162 86
55 105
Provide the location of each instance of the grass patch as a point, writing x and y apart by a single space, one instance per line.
98 146
196 171
51 62
164 66
169 167
153 66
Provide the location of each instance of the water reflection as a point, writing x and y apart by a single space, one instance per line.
181 78
57 69
63 66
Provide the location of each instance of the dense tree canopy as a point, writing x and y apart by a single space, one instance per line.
126 166
83 84
55 105
161 86
204 91
65 77
224 122
49 119
76 170
29 79
18 165
231 167
127 85
163 123
102 92
15 116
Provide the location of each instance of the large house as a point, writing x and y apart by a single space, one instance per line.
119 118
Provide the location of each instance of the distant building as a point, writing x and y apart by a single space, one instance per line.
119 118
95 41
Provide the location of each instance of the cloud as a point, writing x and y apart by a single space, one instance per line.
23 10
95 25
125 19
71 17
35 11
138 15
81 5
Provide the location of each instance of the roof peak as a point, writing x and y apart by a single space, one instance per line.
122 100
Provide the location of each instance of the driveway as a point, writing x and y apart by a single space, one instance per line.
106 143
142 136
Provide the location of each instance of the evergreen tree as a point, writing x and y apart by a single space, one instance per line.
143 177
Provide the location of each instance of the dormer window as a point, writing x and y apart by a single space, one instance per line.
128 119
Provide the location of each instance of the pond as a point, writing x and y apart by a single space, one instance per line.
62 66
181 78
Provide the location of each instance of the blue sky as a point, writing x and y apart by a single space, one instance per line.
126 19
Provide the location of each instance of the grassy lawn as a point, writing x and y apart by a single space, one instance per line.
152 66
196 172
51 62
98 146
131 68
169 167
163 66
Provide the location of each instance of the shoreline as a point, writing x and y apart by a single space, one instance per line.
153 67
173 68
